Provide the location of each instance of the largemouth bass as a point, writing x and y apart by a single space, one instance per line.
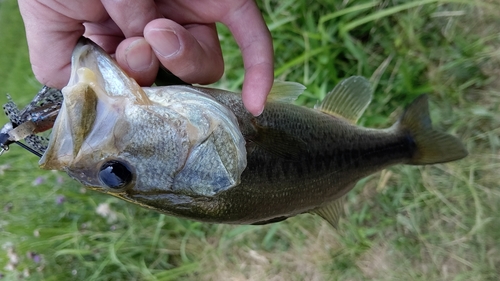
196 153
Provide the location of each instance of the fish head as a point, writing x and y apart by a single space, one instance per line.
115 138
100 137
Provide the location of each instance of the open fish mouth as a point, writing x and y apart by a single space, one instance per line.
91 108
108 120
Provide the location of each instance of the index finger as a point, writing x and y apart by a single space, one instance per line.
254 39
52 30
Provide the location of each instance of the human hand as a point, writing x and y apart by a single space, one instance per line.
179 34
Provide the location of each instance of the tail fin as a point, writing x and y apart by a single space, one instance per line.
431 146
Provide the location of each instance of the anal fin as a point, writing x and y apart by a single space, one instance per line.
332 212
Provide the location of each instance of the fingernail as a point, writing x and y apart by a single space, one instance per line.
258 111
139 55
164 41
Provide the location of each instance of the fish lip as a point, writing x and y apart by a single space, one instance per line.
60 152
81 52
82 48
80 44
88 54
85 177
82 41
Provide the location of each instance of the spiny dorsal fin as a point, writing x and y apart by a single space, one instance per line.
332 212
348 99
284 91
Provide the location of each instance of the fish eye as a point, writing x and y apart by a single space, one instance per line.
115 174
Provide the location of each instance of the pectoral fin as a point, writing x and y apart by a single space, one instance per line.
332 212
279 143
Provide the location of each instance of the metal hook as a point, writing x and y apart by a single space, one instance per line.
4 142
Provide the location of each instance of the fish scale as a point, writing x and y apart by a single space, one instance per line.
315 193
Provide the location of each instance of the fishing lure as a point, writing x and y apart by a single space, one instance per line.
37 117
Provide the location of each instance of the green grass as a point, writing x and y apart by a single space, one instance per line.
438 222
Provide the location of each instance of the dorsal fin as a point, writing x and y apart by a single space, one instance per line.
332 212
348 99
284 91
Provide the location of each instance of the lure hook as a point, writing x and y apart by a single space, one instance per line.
4 142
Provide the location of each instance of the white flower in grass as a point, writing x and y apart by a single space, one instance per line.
104 210
12 256
4 167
